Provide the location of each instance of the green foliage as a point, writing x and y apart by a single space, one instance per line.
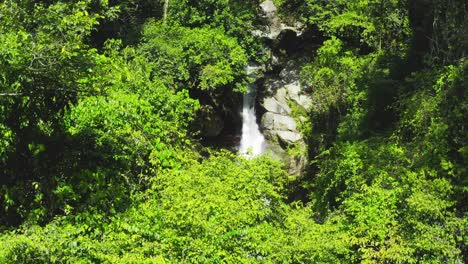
120 120
365 23
201 206
431 123
206 61
234 17
340 96
6 141
41 47
332 77
43 54
449 42
132 129
200 58
190 214
86 155
98 162
397 197
394 211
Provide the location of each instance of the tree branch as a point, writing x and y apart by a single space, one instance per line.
166 7
11 94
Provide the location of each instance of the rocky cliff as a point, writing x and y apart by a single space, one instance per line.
284 104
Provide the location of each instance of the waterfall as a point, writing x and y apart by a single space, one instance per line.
252 141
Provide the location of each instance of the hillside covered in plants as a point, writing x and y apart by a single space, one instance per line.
123 126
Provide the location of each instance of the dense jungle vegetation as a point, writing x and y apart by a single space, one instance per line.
100 153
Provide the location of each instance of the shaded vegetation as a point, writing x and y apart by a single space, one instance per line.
99 154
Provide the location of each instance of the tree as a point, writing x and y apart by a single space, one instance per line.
166 7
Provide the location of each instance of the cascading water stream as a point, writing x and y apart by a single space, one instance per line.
252 141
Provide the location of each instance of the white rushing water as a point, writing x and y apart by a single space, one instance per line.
252 141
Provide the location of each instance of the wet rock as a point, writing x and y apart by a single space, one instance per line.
279 153
275 61
294 164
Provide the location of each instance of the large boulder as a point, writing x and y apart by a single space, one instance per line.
289 137
272 105
268 8
277 122
274 25
294 94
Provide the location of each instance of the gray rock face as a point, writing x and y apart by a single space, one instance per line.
294 94
272 105
275 26
281 95
280 91
289 137
293 90
290 72
268 7
272 121
305 102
